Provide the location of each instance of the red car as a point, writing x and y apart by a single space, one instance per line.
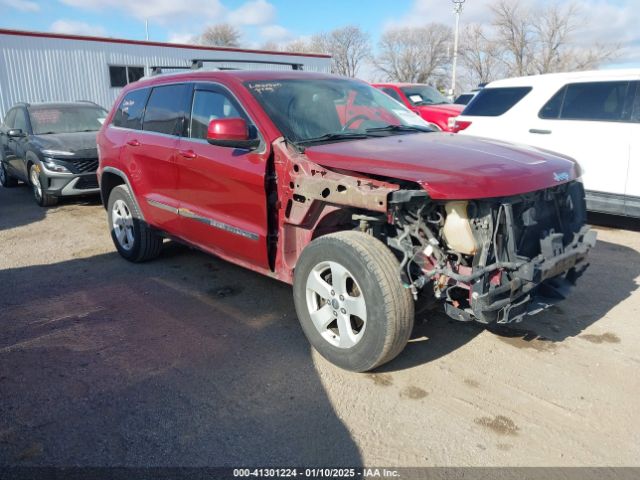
330 185
424 100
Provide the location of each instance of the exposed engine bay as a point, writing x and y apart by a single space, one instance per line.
491 260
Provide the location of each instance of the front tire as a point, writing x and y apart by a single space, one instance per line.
6 180
40 196
133 238
350 300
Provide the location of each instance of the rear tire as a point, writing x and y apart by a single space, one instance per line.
133 238
6 180
350 300
40 196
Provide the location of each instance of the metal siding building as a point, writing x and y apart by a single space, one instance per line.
43 67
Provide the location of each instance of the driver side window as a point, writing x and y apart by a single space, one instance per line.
20 121
8 120
211 105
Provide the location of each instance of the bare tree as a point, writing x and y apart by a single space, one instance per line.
220 35
481 55
315 44
592 57
349 48
553 28
516 34
414 54
271 46
299 45
541 40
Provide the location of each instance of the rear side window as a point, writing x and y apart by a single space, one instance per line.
603 101
493 102
165 109
131 109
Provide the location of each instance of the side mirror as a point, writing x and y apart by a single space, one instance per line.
230 132
16 133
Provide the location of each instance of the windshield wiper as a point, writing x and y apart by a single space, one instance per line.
399 128
332 136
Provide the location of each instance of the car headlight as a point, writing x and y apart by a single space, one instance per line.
50 165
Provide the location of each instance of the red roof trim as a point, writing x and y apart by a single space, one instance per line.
153 44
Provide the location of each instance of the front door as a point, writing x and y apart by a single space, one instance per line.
223 203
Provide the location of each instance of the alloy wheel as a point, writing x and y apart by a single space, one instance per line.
122 223
35 183
336 304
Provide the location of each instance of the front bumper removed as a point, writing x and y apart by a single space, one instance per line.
534 285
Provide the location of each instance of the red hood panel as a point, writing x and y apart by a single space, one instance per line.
450 166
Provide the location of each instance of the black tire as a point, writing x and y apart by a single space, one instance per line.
389 305
147 244
39 195
6 180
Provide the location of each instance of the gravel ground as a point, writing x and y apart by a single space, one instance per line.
191 361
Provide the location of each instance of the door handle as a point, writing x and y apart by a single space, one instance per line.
133 143
188 153
540 132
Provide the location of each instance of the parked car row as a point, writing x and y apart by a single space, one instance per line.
333 186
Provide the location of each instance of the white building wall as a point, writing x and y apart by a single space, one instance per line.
47 69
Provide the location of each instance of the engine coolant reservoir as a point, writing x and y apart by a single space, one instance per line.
457 229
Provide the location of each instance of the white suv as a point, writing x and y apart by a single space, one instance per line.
593 117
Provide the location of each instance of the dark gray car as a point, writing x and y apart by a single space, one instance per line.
52 147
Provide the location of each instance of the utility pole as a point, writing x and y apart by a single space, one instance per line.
146 28
457 8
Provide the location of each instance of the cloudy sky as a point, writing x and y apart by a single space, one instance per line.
284 20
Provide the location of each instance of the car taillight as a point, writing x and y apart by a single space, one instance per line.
459 125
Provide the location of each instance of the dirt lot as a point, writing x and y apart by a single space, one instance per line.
190 361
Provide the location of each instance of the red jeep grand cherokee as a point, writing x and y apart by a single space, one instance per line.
424 100
328 184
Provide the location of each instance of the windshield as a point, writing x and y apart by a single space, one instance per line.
71 119
327 110
420 95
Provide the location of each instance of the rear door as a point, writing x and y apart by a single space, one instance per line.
632 200
150 153
589 121
222 194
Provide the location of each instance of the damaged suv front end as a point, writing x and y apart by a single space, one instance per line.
496 259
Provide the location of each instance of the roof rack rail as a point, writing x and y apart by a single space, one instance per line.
198 63
158 69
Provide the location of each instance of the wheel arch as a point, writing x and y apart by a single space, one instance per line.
31 158
112 177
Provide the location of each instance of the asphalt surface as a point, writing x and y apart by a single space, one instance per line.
190 361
